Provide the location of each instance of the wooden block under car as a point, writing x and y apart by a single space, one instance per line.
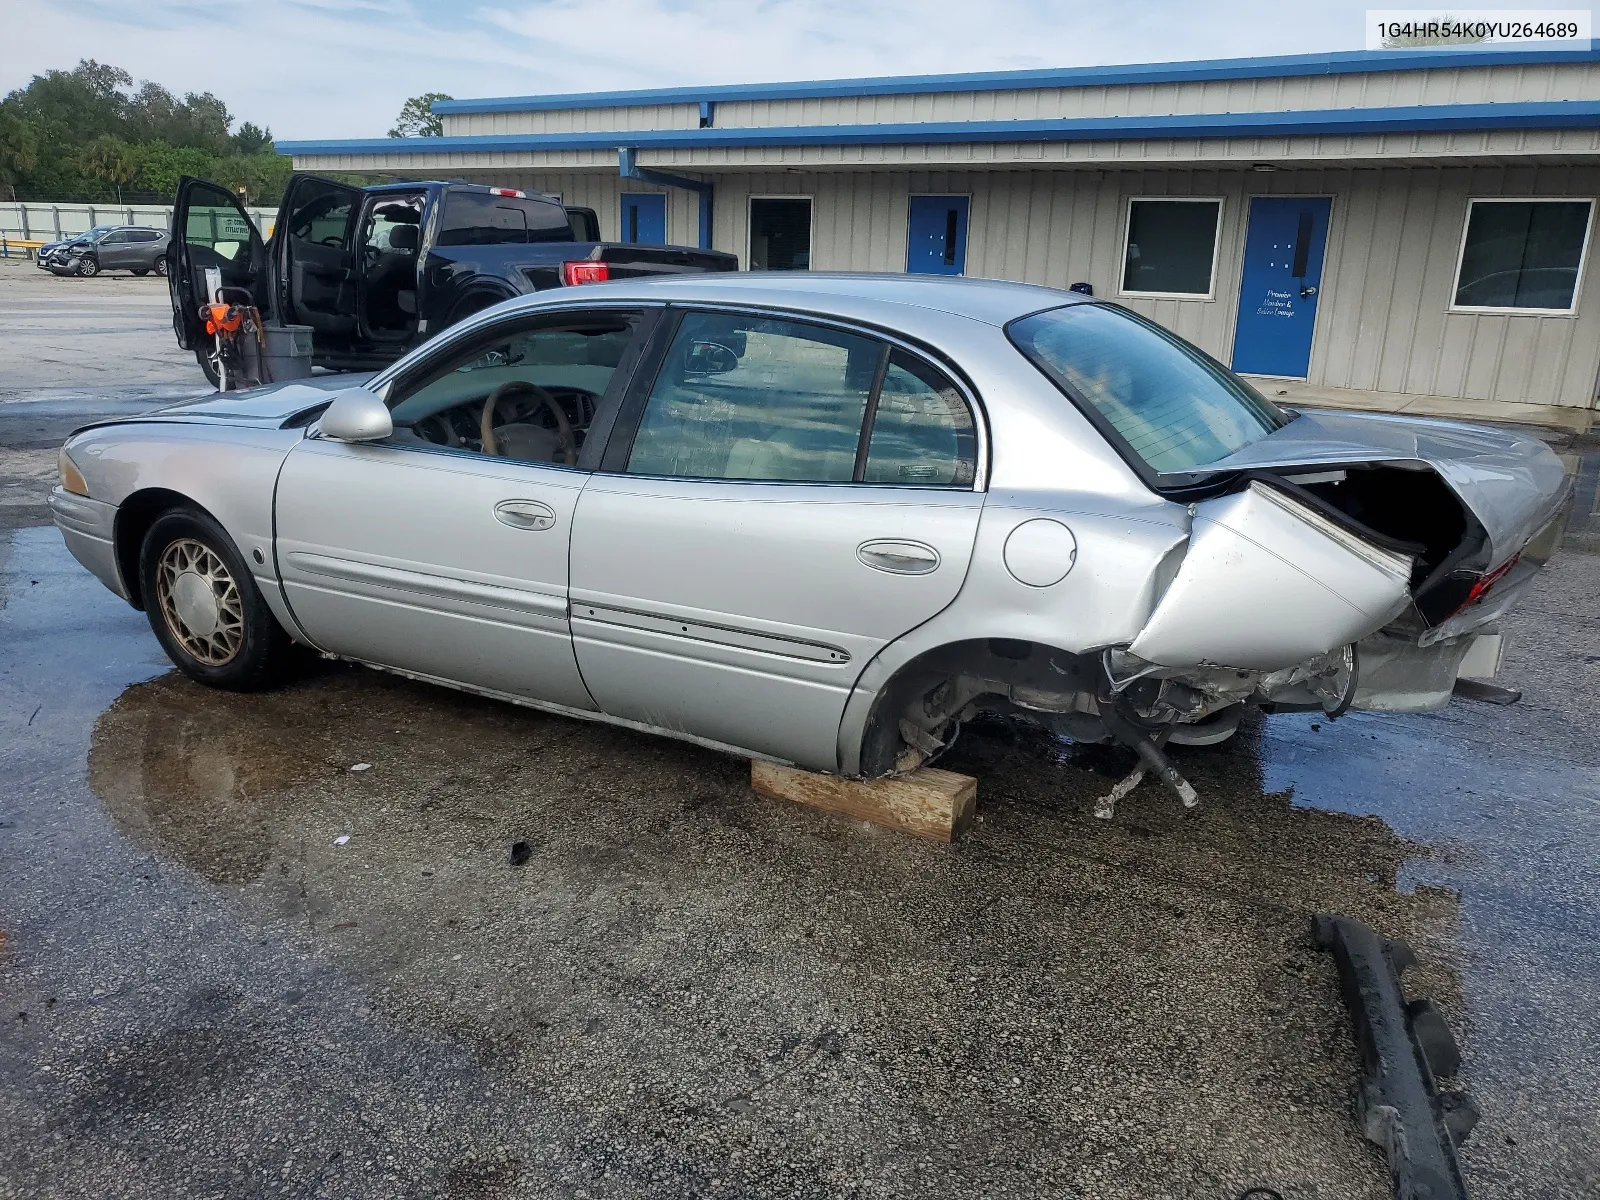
927 802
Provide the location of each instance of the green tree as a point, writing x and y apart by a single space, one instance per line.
19 146
252 139
254 177
417 118
161 165
110 160
87 133
77 105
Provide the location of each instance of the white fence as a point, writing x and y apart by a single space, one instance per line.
51 222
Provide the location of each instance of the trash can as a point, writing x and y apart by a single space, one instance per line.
287 351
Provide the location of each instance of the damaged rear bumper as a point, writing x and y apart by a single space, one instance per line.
1405 1049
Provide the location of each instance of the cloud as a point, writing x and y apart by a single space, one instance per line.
342 68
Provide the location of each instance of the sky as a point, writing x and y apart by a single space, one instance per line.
342 68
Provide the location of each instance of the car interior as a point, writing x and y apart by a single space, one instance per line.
528 395
391 235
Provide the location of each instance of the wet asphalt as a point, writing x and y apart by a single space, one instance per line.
233 965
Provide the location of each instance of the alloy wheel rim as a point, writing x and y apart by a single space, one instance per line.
200 602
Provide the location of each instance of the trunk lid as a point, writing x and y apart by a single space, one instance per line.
1512 483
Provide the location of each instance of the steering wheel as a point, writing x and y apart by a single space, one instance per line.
565 441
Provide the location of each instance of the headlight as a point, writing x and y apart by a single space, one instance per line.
71 478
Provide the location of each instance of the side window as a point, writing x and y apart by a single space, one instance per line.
746 397
320 216
526 392
922 431
145 235
215 229
116 238
488 219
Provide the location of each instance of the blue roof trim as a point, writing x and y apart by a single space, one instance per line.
1558 114
1284 66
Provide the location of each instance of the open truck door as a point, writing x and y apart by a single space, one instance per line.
214 245
315 256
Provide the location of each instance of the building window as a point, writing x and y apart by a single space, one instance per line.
1522 255
780 233
1171 248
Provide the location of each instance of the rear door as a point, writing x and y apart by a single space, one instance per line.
317 261
214 244
781 500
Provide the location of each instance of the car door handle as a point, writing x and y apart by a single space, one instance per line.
525 514
898 557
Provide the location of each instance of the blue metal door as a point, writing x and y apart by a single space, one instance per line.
936 243
644 218
1280 284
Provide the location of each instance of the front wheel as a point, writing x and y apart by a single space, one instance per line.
88 266
204 605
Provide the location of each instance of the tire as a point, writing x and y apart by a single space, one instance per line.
88 266
141 270
202 355
204 606
161 265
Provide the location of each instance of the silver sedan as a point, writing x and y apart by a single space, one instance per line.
824 520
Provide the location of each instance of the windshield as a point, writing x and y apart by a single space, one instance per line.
1173 406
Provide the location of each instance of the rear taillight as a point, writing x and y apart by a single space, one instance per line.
508 192
574 273
1484 582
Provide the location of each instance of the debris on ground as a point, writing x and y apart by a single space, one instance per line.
1405 1050
521 852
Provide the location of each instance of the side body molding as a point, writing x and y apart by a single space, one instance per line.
1268 583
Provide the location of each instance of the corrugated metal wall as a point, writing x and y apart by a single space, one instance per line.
1376 89
1382 323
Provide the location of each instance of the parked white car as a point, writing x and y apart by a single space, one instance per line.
822 519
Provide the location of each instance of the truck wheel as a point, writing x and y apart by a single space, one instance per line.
208 364
204 605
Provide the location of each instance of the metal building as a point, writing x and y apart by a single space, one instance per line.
1403 222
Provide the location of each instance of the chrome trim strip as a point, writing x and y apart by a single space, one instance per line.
541 603
721 635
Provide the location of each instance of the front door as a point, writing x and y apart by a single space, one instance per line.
315 237
780 503
115 250
937 235
214 244
1279 287
644 218
440 552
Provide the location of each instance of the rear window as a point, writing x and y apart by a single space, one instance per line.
1172 406
484 219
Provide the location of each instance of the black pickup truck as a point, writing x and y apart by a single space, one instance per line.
373 271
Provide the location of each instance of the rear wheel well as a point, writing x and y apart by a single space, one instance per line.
917 710
475 301
135 515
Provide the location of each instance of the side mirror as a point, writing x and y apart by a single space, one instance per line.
356 415
710 358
